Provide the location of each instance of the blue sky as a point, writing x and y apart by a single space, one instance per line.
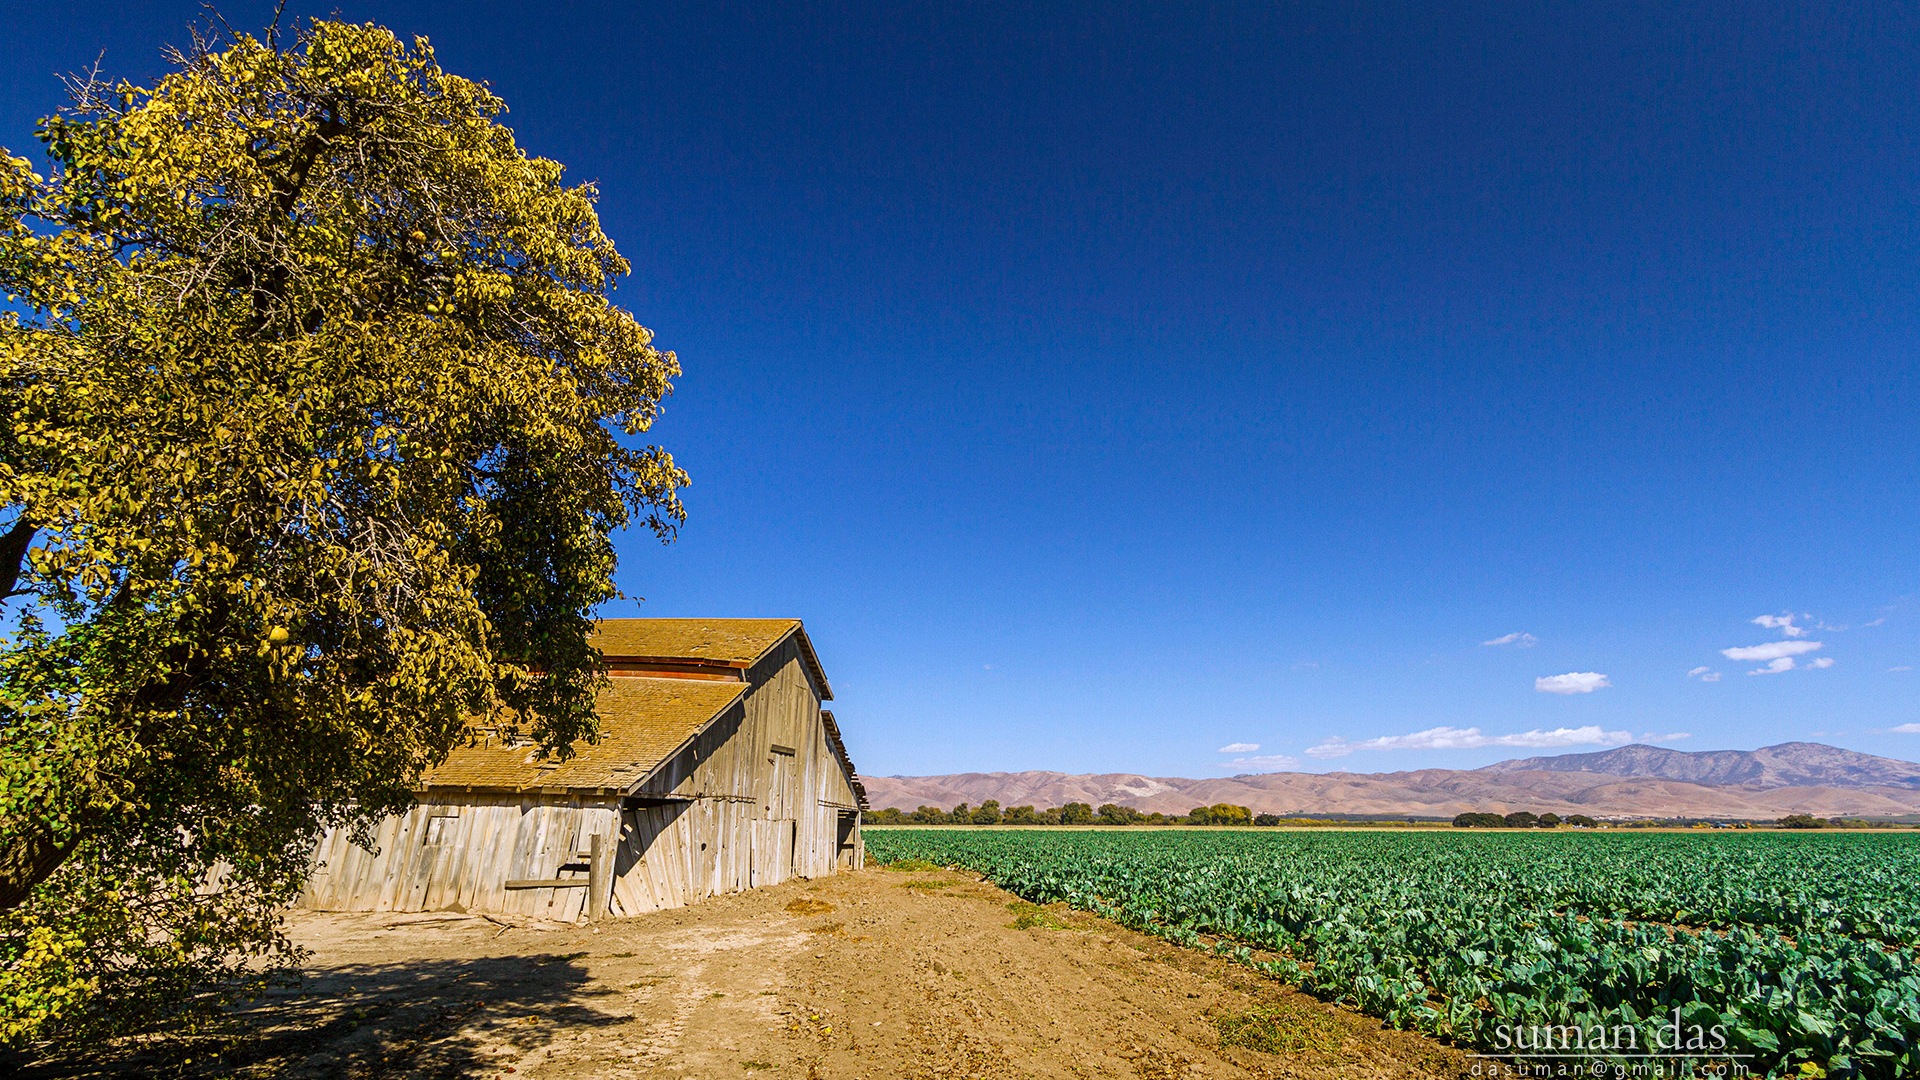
1107 385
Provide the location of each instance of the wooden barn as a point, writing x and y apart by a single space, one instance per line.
716 771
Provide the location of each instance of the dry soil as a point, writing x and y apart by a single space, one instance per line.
876 974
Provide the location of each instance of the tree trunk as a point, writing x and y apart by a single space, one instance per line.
28 859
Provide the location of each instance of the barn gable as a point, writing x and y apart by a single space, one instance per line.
715 770
716 648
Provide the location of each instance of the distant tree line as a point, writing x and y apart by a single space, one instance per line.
1074 813
1808 821
1521 819
991 812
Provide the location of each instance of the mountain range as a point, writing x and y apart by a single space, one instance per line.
1630 781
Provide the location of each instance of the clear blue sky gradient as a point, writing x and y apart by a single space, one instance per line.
1106 385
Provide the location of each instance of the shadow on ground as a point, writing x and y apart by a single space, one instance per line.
426 1018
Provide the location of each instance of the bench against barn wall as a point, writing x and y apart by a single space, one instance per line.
716 771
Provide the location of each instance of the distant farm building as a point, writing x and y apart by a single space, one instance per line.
716 771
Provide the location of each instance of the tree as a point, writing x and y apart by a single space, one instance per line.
1219 814
1229 814
1266 819
1472 820
1803 821
988 814
961 814
316 421
1115 814
1548 820
1020 815
1521 819
1076 813
928 815
1581 821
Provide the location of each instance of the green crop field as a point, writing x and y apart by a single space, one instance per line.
1787 954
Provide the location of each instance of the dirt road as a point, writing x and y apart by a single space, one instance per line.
879 974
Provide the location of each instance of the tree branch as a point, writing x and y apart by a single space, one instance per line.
13 555
30 861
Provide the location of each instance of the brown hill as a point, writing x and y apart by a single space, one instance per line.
1793 764
1537 784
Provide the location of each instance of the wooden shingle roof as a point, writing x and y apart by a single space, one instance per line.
839 748
730 643
642 723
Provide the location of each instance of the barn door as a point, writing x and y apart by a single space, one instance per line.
780 799
781 807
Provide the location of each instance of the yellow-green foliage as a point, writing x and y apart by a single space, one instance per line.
314 424
1220 814
42 981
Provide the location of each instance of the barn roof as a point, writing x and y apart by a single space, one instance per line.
839 747
732 643
642 723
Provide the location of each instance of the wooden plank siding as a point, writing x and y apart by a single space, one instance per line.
463 862
756 796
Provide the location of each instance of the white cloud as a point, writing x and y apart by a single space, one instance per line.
1901 667
1573 682
1782 623
1777 655
1907 729
1704 674
1518 638
1453 738
1820 662
1267 761
1588 735
1671 736
1238 748
1772 650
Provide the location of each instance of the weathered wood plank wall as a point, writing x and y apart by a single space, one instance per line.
458 851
